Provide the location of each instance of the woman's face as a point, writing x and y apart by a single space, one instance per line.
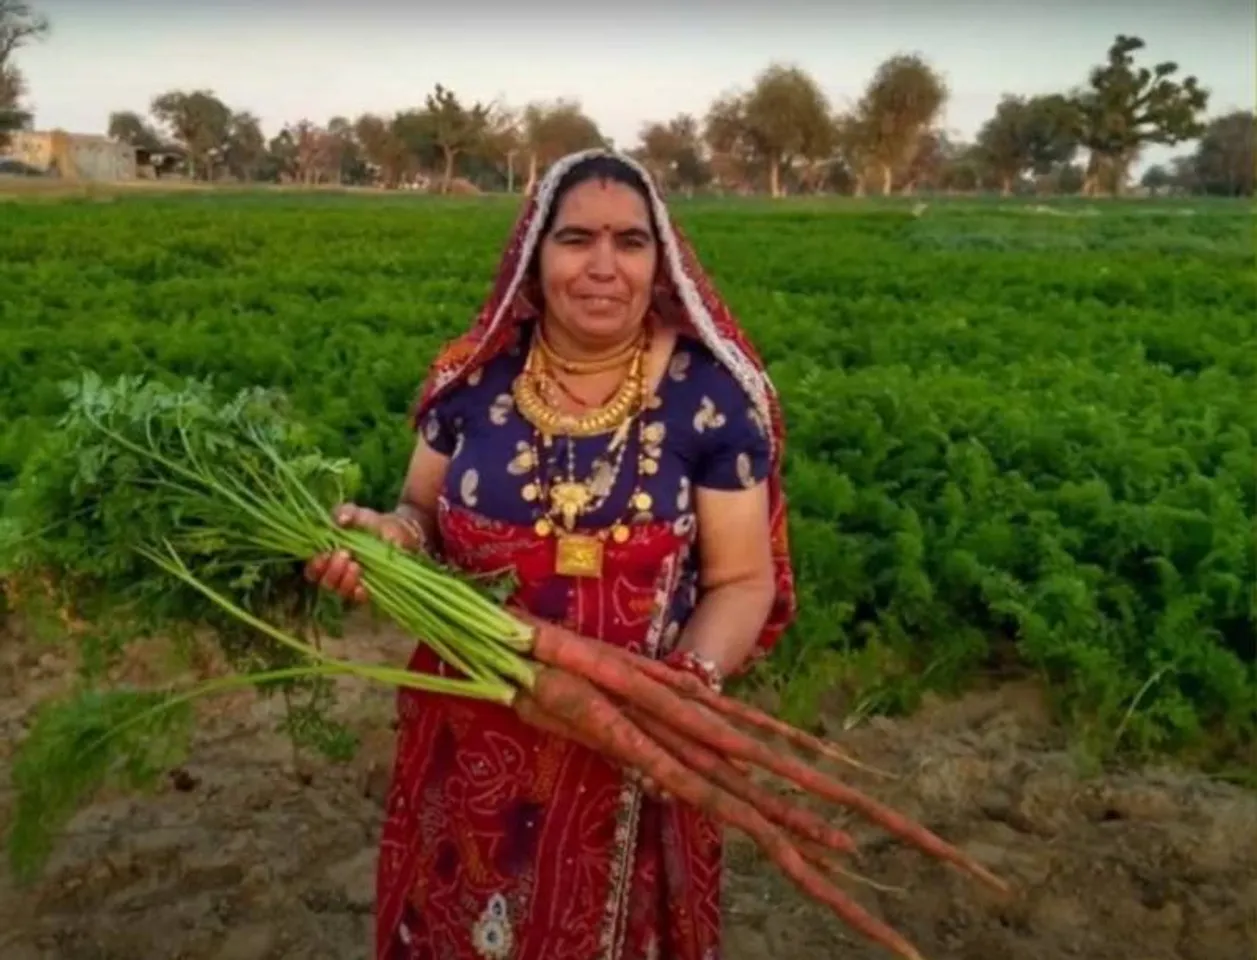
598 263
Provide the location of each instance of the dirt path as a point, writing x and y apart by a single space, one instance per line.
241 861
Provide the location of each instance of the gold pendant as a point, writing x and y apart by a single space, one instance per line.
569 499
577 555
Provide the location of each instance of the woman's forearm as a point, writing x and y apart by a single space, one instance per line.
727 623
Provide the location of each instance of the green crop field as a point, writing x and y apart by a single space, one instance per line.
1020 438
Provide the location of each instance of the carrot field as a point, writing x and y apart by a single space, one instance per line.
1022 471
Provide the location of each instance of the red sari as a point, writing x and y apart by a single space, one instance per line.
505 843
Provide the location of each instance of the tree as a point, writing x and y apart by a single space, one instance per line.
200 122
1224 159
312 153
1157 178
787 119
1028 134
414 131
727 135
127 126
502 142
673 153
19 26
13 116
455 129
350 161
926 168
901 103
963 168
553 130
1125 109
383 148
245 150
853 144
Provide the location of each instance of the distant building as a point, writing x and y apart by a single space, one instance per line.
74 156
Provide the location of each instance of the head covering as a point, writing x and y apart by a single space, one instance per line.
699 308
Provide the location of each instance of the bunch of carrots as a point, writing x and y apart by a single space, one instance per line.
253 500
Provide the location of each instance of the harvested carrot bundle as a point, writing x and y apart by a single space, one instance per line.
183 513
721 772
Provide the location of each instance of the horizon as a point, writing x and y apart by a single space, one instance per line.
96 61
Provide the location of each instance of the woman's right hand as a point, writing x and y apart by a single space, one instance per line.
338 571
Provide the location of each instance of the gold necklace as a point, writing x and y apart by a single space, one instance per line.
580 554
529 391
578 367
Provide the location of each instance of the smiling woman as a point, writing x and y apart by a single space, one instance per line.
606 434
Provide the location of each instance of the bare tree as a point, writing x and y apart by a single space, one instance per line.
20 25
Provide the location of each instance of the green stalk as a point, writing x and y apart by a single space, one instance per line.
290 520
482 690
457 599
416 621
219 685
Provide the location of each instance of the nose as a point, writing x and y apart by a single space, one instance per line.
602 258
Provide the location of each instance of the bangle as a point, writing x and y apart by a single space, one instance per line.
412 527
702 667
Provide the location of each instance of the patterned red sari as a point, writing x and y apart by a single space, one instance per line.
505 843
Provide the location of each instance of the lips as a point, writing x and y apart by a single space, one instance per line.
600 304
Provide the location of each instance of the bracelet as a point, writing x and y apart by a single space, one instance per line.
702 667
411 526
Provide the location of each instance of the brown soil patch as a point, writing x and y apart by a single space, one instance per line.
248 863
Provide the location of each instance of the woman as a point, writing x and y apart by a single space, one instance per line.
604 433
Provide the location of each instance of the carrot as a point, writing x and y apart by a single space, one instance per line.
558 647
824 861
579 704
777 809
536 717
735 709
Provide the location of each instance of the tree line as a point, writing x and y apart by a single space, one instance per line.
780 135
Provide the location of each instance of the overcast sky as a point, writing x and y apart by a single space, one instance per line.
627 61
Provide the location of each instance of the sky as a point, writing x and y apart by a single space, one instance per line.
626 61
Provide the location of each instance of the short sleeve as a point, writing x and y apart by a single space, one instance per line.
734 451
441 425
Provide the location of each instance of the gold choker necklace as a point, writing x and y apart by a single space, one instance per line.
615 359
531 388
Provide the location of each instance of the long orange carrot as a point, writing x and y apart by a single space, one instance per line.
579 704
823 860
775 808
694 688
554 645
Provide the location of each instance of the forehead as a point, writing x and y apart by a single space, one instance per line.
599 203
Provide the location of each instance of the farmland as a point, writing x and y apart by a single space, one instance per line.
1022 476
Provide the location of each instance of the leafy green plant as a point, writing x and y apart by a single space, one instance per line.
156 511
1005 427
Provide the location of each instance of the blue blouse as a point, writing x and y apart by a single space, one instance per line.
700 430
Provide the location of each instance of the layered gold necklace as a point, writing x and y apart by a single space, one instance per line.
535 388
568 498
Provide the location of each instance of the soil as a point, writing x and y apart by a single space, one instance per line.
241 858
